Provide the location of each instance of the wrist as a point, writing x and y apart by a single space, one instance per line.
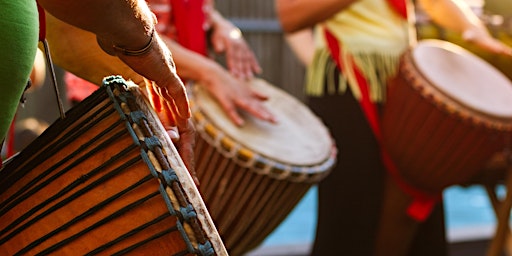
208 74
137 52
472 34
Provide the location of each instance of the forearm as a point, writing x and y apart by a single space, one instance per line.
302 44
295 15
78 53
127 24
453 15
116 21
189 64
218 21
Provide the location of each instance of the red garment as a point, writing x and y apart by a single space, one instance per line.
400 6
77 88
190 20
423 202
184 21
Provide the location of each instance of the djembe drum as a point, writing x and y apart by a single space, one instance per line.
107 180
447 113
253 176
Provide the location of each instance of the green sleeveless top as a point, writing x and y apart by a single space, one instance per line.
19 28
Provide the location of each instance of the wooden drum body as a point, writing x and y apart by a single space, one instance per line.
447 113
253 176
105 180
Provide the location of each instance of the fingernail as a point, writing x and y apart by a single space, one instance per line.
173 134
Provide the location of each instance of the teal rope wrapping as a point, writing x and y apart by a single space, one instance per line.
162 185
152 143
137 116
190 248
116 104
113 80
188 212
146 159
125 96
168 202
206 249
167 177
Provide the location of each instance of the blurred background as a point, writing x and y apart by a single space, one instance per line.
470 219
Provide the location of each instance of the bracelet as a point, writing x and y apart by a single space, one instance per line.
139 52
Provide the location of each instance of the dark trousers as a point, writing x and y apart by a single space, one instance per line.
350 198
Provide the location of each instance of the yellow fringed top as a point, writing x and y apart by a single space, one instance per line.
370 32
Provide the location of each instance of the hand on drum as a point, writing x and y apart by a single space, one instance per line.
181 132
484 40
234 94
158 65
226 38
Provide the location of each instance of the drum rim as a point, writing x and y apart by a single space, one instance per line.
263 164
255 162
445 102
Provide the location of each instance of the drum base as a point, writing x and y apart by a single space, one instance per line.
499 173
397 230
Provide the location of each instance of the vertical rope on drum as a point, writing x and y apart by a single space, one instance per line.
40 156
61 203
151 144
145 241
129 234
221 201
153 154
25 193
93 210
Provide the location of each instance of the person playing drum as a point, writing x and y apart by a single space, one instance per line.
124 29
188 39
358 46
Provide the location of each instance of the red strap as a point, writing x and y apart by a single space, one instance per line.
9 146
189 18
400 6
423 202
42 22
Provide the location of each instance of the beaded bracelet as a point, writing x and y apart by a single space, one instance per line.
139 52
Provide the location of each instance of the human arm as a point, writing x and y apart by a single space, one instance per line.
231 92
295 15
127 24
302 45
77 51
227 38
457 16
38 74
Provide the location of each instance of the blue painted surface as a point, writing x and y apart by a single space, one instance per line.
464 206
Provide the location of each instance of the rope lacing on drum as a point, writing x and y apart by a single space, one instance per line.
256 162
154 156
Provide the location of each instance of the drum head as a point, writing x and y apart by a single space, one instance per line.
464 77
299 137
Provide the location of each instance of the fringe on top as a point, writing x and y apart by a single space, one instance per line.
377 68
